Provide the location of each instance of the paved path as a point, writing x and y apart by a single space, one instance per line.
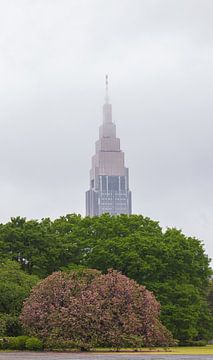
91 356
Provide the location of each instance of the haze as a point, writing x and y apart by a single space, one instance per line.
54 55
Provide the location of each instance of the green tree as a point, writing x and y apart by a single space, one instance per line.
15 286
210 295
172 265
40 247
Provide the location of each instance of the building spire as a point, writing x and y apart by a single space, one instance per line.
107 108
106 90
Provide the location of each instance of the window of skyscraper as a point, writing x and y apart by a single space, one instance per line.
122 183
113 183
104 183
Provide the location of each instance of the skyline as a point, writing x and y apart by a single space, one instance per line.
159 57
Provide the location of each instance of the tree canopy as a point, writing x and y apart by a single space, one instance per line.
172 265
15 286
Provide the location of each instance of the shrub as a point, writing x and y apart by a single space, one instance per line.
21 342
2 325
194 343
4 343
10 325
34 343
13 326
54 344
89 310
14 343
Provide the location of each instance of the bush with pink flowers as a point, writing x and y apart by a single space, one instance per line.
89 309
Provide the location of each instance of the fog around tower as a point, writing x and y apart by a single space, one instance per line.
158 54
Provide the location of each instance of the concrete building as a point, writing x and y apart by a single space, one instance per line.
109 178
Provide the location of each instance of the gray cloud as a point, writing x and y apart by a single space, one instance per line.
53 58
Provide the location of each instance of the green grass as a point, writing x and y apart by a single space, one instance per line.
193 350
179 350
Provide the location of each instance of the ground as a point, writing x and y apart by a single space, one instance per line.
181 353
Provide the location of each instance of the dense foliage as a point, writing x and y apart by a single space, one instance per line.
22 342
15 286
93 310
172 265
210 295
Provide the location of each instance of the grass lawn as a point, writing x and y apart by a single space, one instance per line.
193 350
179 350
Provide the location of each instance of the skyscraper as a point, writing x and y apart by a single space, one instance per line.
109 178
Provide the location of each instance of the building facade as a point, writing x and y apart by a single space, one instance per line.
109 178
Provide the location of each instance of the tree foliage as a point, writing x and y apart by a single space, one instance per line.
15 286
172 265
210 295
94 310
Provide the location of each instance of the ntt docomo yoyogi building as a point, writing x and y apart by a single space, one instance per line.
109 178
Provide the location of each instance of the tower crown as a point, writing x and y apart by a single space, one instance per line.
107 107
106 90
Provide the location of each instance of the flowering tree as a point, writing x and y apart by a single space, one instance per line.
91 309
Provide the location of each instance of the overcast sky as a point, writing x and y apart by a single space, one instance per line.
54 55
